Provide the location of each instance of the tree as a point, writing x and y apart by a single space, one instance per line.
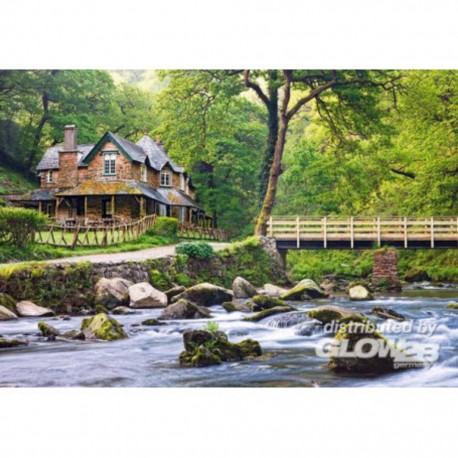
336 94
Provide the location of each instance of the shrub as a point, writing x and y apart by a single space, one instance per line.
2 202
164 226
198 250
18 225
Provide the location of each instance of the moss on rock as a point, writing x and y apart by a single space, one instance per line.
262 302
102 327
305 290
47 330
329 313
269 312
7 343
8 302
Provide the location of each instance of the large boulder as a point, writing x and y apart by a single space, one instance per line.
305 290
8 302
269 312
172 292
10 343
184 310
47 330
144 296
102 327
74 334
27 308
242 288
359 292
329 313
387 314
205 295
236 306
361 340
261 302
206 348
111 292
6 314
273 290
416 275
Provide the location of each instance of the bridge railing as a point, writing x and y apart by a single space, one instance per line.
368 229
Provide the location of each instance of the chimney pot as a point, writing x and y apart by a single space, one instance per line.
70 140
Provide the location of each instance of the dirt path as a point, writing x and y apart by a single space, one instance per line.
140 255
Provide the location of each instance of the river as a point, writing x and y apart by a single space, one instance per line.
149 358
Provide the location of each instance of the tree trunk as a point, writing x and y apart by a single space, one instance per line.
275 171
37 137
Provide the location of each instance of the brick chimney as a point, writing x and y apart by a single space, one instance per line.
68 159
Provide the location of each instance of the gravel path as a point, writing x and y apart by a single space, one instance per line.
140 255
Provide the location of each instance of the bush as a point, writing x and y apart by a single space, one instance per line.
18 225
2 202
164 226
198 250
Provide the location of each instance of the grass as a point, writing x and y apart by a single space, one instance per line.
12 182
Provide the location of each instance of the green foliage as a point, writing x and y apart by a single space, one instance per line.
197 250
212 326
164 226
18 225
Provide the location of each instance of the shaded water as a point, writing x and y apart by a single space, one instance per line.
150 356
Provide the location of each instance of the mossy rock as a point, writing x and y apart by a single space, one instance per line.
305 290
152 322
359 292
101 309
329 313
205 295
8 302
172 292
74 334
250 348
6 314
102 327
184 310
269 312
262 302
452 305
201 357
415 274
388 314
7 343
47 330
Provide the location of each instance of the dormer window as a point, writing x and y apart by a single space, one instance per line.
182 185
166 179
109 163
143 173
49 177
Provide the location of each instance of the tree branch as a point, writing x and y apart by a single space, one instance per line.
410 175
250 84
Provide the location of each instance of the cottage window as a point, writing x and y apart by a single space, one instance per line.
49 177
165 179
181 181
143 171
162 210
109 164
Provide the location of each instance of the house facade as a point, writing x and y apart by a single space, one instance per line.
113 180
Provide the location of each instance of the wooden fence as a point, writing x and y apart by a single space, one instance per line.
405 231
94 235
191 231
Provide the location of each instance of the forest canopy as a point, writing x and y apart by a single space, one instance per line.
362 142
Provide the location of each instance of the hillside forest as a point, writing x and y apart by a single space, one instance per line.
305 142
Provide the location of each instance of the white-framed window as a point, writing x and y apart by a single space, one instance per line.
182 184
166 179
49 177
162 210
182 214
143 173
109 163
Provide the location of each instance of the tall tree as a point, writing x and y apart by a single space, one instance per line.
336 93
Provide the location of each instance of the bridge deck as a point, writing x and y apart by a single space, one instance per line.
292 232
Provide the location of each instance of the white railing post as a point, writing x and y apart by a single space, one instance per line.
298 233
379 232
352 233
405 232
325 232
432 232
271 227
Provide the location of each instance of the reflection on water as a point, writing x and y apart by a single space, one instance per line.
150 356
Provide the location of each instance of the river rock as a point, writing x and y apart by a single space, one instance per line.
6 314
242 288
359 292
7 343
152 322
328 313
111 292
288 320
416 275
269 312
74 334
452 305
261 302
205 295
144 296
172 292
102 327
305 290
349 335
273 290
122 310
184 310
206 348
387 314
236 307
27 308
8 302
47 330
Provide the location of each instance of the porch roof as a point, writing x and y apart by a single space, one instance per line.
38 194
177 198
112 188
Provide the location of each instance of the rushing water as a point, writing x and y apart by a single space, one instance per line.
150 356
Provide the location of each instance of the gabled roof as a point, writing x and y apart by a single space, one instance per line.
132 151
157 156
50 160
177 198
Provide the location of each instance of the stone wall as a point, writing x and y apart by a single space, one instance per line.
385 269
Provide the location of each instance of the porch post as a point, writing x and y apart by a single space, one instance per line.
39 206
85 206
112 206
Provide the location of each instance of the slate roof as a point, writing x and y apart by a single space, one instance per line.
176 197
39 194
156 154
50 159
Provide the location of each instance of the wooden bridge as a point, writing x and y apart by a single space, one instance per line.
340 232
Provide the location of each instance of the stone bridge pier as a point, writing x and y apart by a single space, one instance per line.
385 269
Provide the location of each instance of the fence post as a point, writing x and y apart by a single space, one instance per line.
325 232
405 232
432 232
352 233
298 232
379 232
